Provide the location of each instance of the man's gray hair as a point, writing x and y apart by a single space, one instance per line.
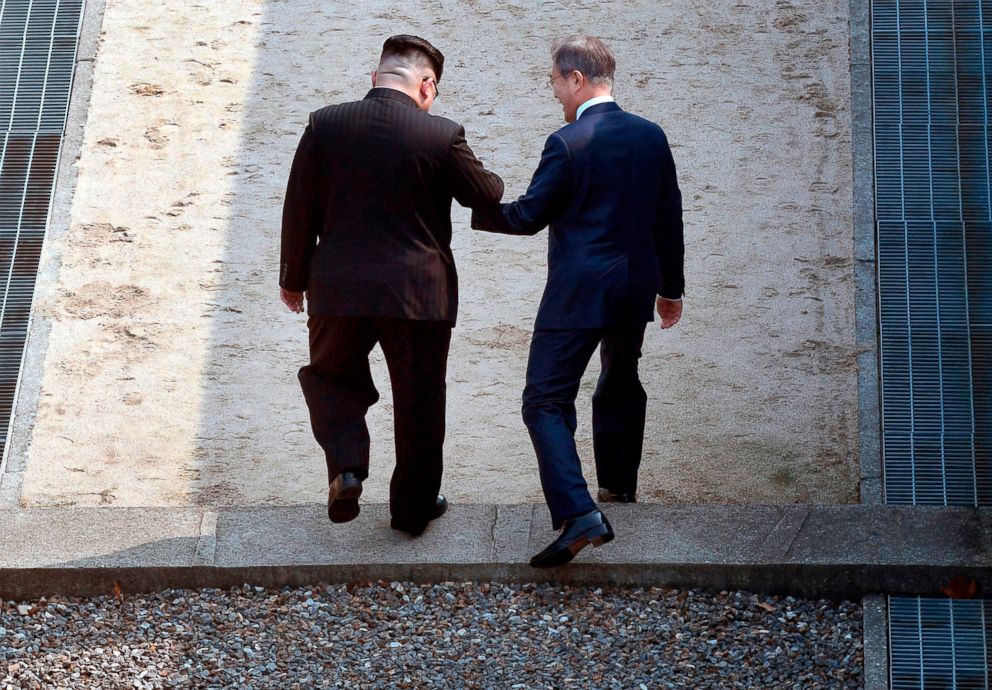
588 55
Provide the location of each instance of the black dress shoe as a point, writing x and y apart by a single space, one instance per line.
577 533
342 497
416 528
607 496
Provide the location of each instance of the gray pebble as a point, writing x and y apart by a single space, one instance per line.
452 636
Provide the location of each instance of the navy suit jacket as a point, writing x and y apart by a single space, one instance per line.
606 187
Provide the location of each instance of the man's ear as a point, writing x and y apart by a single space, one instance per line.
375 75
426 89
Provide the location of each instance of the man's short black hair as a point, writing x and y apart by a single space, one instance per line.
402 45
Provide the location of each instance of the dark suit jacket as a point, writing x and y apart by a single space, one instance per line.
366 227
606 186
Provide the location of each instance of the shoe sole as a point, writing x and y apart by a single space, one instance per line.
599 536
345 506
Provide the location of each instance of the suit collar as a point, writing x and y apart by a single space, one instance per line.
392 94
608 107
595 100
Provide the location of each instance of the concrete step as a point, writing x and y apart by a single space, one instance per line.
828 550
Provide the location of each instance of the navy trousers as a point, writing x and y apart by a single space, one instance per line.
558 358
338 388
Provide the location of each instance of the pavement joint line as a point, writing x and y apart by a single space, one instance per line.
206 545
492 533
787 528
796 532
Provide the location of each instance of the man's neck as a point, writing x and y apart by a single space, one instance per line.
402 88
591 100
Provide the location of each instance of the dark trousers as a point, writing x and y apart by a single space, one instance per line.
338 388
558 358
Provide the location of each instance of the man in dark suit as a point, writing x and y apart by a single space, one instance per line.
607 189
366 236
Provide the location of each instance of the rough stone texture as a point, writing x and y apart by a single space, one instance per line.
169 376
403 635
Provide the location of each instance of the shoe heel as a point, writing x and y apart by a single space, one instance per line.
603 535
350 493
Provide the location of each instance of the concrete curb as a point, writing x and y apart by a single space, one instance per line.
876 640
865 265
835 551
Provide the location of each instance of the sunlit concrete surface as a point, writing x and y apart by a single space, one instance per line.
168 365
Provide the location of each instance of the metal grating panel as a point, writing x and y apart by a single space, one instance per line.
931 63
939 643
38 40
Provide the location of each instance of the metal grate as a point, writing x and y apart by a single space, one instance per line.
939 643
38 40
931 65
930 68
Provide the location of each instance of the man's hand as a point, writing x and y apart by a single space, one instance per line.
293 300
670 311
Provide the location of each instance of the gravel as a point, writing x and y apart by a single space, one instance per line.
402 635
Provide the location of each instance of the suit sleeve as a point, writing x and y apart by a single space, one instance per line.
300 216
668 235
543 202
472 185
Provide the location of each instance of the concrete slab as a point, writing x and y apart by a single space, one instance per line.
840 551
687 534
304 536
71 538
896 535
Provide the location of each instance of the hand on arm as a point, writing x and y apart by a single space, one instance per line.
542 202
472 185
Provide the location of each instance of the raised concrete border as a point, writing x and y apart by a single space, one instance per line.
876 633
876 641
812 551
866 293
29 385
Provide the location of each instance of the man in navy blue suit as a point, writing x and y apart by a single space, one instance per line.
606 188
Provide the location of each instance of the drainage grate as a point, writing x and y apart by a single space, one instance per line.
38 41
931 65
939 643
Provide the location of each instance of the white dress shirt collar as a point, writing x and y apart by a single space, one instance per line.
591 102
